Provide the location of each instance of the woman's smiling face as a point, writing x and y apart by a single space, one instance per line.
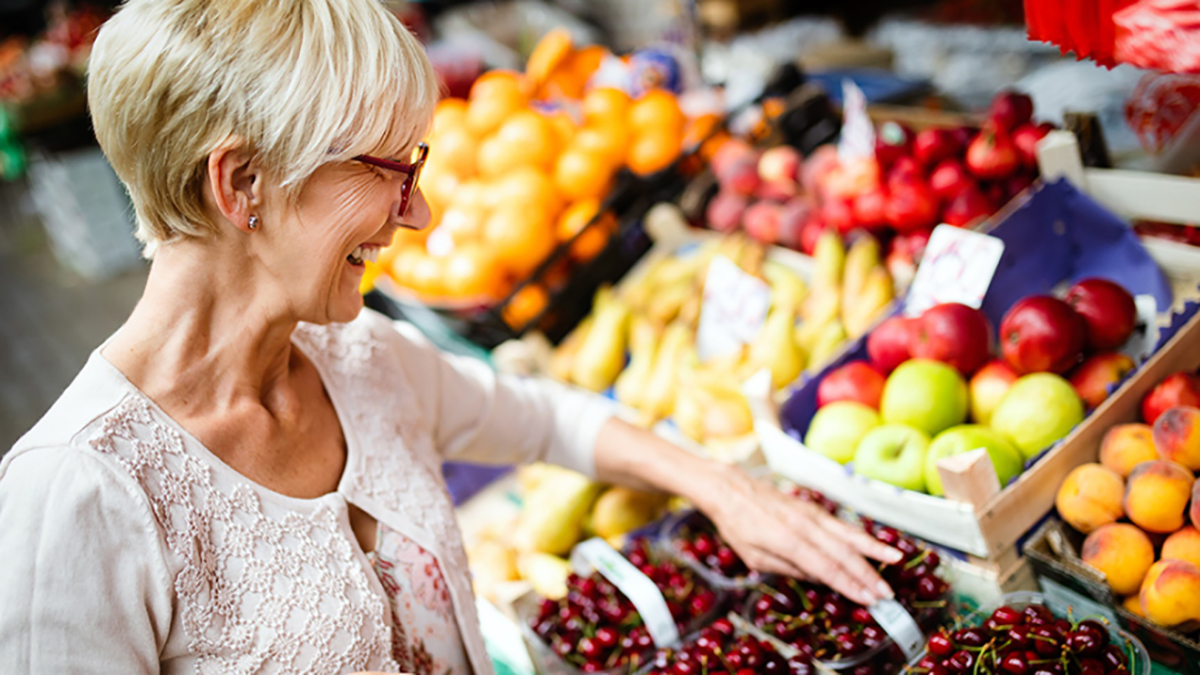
346 213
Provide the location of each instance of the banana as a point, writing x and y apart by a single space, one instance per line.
787 288
862 257
827 342
830 258
877 293
775 347
658 400
644 336
602 355
563 359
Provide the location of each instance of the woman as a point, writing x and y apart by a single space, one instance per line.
246 476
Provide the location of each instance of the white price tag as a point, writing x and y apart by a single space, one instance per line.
1141 345
596 554
899 624
857 140
735 307
957 267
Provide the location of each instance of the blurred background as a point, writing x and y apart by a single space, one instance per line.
70 270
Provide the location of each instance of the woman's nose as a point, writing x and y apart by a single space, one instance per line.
418 215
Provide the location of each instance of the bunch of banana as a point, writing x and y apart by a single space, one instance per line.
850 290
560 509
654 316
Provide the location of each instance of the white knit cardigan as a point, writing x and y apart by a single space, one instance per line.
127 547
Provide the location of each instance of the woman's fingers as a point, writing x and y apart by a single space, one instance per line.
861 541
850 563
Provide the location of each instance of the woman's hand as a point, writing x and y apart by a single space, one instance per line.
777 533
771 531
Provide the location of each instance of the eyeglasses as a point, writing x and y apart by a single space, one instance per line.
412 170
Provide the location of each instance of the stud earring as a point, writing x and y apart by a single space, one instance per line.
253 223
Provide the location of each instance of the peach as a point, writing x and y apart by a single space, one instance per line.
1157 494
1097 373
1196 504
1127 445
1122 552
1171 592
1183 545
1177 436
1090 497
1133 605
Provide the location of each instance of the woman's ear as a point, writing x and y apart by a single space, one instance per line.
236 184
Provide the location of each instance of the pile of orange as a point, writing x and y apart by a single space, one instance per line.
508 178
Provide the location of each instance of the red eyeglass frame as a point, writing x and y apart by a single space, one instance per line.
411 170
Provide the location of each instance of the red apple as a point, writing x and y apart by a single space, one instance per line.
779 164
911 205
967 208
731 152
811 232
740 175
1025 138
1093 377
950 178
839 214
1108 310
724 212
762 221
868 207
934 145
954 334
855 381
989 384
890 343
797 212
904 170
892 141
991 156
1177 389
1042 334
1010 110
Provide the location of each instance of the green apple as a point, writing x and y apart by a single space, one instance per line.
965 438
894 453
925 394
1038 410
836 429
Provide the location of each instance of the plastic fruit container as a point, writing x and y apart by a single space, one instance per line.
1138 659
679 535
610 609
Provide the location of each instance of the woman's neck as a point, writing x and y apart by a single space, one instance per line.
209 320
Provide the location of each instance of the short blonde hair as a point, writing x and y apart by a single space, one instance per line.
301 82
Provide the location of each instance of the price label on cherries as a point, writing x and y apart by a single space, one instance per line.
735 307
899 624
596 554
958 266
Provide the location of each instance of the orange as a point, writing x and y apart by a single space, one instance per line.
454 149
471 195
699 129
534 134
472 271
564 126
657 109
579 173
521 238
401 266
606 103
497 156
450 113
554 49
525 305
653 151
424 275
527 187
493 81
593 239
462 224
438 185
487 112
609 140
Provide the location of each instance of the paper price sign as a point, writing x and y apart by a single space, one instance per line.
596 554
734 309
899 624
957 267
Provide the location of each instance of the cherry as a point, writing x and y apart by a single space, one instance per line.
1085 643
1019 635
723 626
1006 616
800 665
1091 667
862 615
1016 664
961 662
970 637
1095 628
1037 615
588 648
606 637
1113 657
940 645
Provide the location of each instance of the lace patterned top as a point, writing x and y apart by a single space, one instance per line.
127 547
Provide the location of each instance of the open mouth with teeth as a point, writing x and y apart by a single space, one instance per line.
362 254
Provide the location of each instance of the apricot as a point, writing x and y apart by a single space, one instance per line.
1157 494
1133 605
1122 552
1127 445
1177 436
1171 592
1183 545
1090 497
